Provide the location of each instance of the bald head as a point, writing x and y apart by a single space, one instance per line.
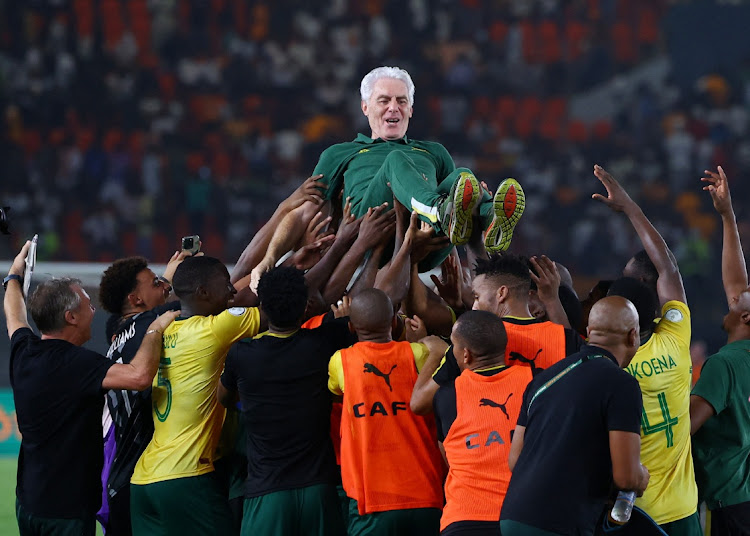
613 325
371 310
613 314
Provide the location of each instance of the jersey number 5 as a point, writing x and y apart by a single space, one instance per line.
161 381
665 426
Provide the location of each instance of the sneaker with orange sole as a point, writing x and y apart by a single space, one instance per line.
508 206
456 210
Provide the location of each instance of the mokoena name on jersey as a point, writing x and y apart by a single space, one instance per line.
651 367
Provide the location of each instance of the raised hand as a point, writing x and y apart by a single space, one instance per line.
425 242
163 320
309 255
309 190
176 260
547 278
376 222
349 226
415 329
315 229
341 308
449 283
718 187
617 198
19 263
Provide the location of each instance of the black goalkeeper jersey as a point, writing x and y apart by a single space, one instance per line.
130 410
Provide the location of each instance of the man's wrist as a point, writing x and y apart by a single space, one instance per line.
12 277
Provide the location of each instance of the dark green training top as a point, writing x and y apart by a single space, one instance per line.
357 162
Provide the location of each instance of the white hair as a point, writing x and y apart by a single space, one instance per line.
365 88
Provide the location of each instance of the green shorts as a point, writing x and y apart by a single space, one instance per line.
412 521
192 505
31 525
687 526
313 510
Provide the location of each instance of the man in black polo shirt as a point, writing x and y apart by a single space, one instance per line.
58 390
282 380
578 431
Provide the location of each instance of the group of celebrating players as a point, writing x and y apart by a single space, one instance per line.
324 388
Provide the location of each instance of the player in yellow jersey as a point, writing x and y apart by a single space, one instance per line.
173 488
663 369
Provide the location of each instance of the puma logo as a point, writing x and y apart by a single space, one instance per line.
369 367
515 356
493 404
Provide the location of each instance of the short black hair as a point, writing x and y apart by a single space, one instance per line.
118 281
644 299
644 269
51 300
514 269
282 293
194 272
371 310
482 332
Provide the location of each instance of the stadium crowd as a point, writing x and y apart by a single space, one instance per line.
323 388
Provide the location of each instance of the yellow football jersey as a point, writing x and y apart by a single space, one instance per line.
186 412
663 369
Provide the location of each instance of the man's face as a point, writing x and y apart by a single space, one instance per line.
738 306
150 290
220 291
458 349
536 306
485 295
388 109
85 312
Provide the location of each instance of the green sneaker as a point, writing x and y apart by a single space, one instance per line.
508 207
456 210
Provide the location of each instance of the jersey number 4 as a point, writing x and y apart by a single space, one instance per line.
665 426
161 381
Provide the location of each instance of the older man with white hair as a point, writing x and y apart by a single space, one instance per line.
373 169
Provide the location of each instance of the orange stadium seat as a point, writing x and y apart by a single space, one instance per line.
112 139
549 36
207 108
647 32
555 107
624 42
498 31
506 108
576 33
530 44
577 131
113 26
530 107
129 243
602 129
84 16
32 141
160 245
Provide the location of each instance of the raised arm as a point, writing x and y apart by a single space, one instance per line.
376 224
669 285
345 237
426 387
13 304
430 307
733 268
395 277
547 279
307 194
